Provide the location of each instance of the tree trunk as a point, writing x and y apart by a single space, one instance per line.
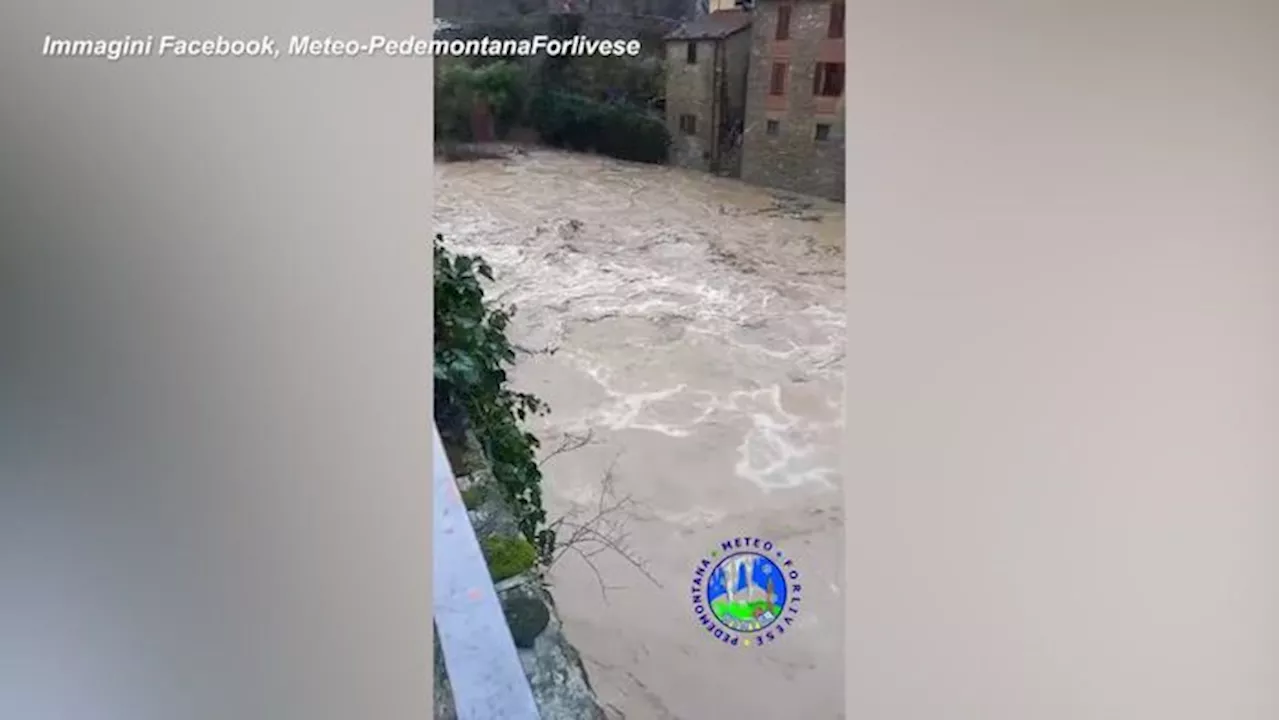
482 125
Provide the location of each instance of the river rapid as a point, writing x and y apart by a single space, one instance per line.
691 331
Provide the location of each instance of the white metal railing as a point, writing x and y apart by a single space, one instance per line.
484 671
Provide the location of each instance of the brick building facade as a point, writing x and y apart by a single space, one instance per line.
706 90
794 136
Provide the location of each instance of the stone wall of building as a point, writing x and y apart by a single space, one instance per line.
792 158
690 92
694 89
737 50
737 59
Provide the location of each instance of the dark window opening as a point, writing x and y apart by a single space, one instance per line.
771 127
689 124
835 26
778 79
784 23
821 132
691 53
828 79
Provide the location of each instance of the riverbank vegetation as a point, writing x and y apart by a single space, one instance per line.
476 407
608 105
473 392
496 92
576 122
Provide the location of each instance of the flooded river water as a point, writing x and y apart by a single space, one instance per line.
692 328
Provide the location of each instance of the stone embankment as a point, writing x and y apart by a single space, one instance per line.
552 665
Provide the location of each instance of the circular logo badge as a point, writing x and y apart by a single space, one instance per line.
746 592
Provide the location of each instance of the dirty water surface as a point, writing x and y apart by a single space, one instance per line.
688 334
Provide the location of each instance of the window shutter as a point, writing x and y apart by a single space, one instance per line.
777 83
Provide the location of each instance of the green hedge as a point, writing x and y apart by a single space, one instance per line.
579 123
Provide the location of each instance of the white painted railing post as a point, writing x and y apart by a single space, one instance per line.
485 674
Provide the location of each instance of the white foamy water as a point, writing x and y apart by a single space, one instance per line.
698 333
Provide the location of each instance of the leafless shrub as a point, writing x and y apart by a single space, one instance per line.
588 531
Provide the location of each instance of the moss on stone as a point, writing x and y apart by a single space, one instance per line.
473 497
508 556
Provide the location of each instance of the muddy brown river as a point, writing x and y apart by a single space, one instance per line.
690 331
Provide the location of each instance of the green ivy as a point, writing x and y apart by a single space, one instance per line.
472 354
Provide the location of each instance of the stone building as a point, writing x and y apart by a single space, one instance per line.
706 90
794 136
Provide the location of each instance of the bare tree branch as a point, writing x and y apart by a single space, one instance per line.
604 530
548 350
832 361
569 443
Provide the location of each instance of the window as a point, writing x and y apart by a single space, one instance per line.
778 80
835 23
821 132
689 124
828 79
771 127
691 52
784 23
